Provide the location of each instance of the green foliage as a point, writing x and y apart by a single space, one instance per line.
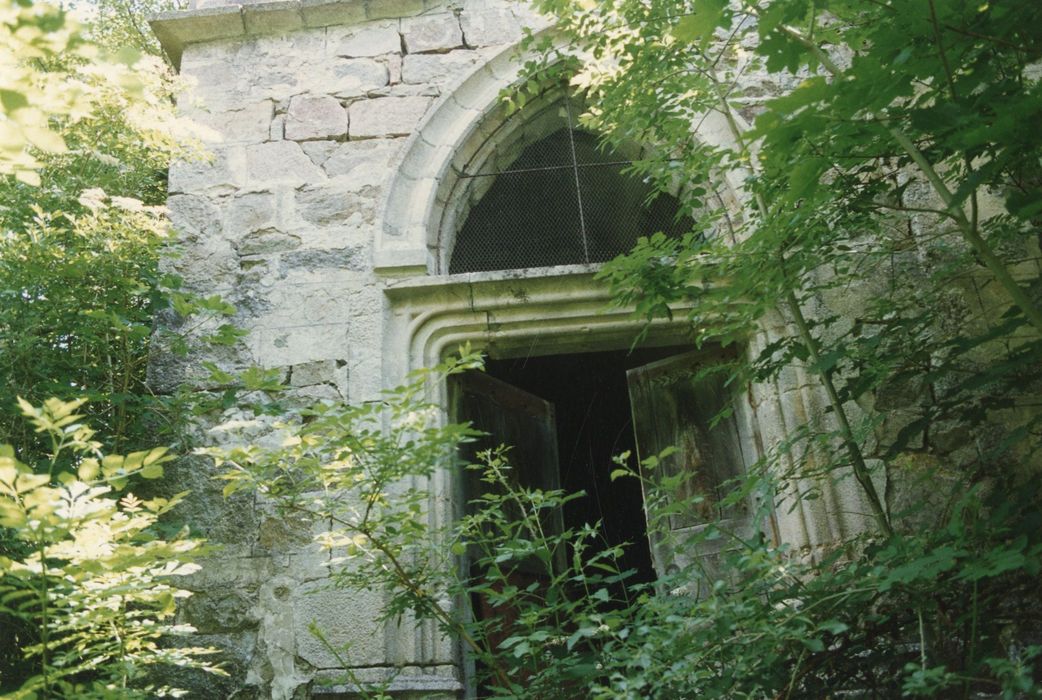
86 590
880 236
555 616
81 226
81 293
885 168
86 133
68 103
547 598
900 169
785 628
898 172
31 35
79 297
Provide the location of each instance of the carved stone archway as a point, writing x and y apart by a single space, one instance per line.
466 128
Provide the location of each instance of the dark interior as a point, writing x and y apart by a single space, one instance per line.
593 425
530 216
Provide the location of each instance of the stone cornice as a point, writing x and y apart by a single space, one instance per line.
175 30
500 282
507 312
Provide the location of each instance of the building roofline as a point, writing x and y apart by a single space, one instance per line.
176 30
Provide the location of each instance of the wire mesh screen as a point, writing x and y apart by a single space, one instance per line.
563 200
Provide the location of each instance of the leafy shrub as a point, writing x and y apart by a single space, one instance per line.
918 613
87 584
81 293
936 613
876 260
87 131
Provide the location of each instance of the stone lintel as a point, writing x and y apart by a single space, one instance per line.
532 279
508 313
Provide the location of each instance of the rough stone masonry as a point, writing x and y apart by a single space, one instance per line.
338 129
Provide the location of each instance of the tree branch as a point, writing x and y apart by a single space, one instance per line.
969 232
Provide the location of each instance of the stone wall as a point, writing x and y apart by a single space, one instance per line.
334 129
306 110
306 127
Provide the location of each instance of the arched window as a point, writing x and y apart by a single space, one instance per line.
562 200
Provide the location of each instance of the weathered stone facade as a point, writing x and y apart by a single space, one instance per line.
327 214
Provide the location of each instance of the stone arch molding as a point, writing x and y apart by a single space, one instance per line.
428 315
462 129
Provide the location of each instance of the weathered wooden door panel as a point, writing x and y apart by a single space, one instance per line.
674 407
527 424
512 417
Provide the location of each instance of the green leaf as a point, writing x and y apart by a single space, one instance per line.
803 179
157 455
699 26
259 379
111 465
12 100
813 644
183 305
1025 205
152 471
134 460
218 375
833 626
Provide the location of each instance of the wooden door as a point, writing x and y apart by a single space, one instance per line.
674 406
527 424
513 417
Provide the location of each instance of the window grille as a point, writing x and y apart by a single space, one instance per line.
564 200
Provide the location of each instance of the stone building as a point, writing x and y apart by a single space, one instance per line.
353 143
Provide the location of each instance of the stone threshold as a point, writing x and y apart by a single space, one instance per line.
413 681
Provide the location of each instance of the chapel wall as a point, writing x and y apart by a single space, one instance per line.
305 118
315 117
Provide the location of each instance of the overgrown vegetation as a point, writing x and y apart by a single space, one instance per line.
879 236
90 131
885 243
88 577
86 133
935 612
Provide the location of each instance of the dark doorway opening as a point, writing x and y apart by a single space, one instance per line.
593 424
565 417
